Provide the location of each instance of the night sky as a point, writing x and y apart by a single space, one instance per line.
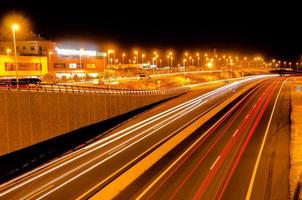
251 27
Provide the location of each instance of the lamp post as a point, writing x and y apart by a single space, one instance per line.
198 58
15 27
81 53
8 51
143 56
49 58
123 61
108 55
136 59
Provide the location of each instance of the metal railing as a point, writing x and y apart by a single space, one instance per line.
54 88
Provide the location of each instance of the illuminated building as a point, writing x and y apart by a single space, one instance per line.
28 66
76 62
40 57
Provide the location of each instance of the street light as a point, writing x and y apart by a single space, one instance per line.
108 53
15 27
136 53
184 62
8 51
81 53
143 56
49 58
123 58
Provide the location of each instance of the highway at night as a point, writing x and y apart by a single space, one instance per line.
106 100
199 160
219 162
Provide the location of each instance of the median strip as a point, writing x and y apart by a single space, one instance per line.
129 176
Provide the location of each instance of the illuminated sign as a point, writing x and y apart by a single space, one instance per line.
75 52
72 65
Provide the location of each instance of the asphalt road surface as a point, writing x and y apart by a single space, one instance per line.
83 172
244 154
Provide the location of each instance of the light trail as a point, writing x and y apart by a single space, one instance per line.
95 146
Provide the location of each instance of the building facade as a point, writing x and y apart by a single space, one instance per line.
28 66
40 57
69 63
27 48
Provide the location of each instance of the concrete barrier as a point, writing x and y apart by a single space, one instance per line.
128 177
27 118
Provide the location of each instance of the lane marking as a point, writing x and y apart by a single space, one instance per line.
97 143
250 188
235 132
140 196
148 150
215 162
33 194
250 134
106 159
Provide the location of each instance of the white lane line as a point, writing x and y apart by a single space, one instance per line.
235 132
97 143
81 155
103 161
212 166
250 188
33 194
168 120
180 157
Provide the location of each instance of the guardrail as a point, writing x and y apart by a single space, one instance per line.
41 87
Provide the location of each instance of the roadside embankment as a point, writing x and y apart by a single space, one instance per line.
296 140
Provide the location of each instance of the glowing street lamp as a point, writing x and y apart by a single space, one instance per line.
110 51
15 27
81 53
184 62
123 58
136 57
8 51
143 56
153 60
49 57
123 61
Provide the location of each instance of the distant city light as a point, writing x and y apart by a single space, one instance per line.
75 52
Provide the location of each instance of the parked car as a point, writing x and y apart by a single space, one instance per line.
22 82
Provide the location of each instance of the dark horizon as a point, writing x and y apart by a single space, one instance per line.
251 28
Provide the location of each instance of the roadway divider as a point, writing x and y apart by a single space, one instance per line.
129 176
